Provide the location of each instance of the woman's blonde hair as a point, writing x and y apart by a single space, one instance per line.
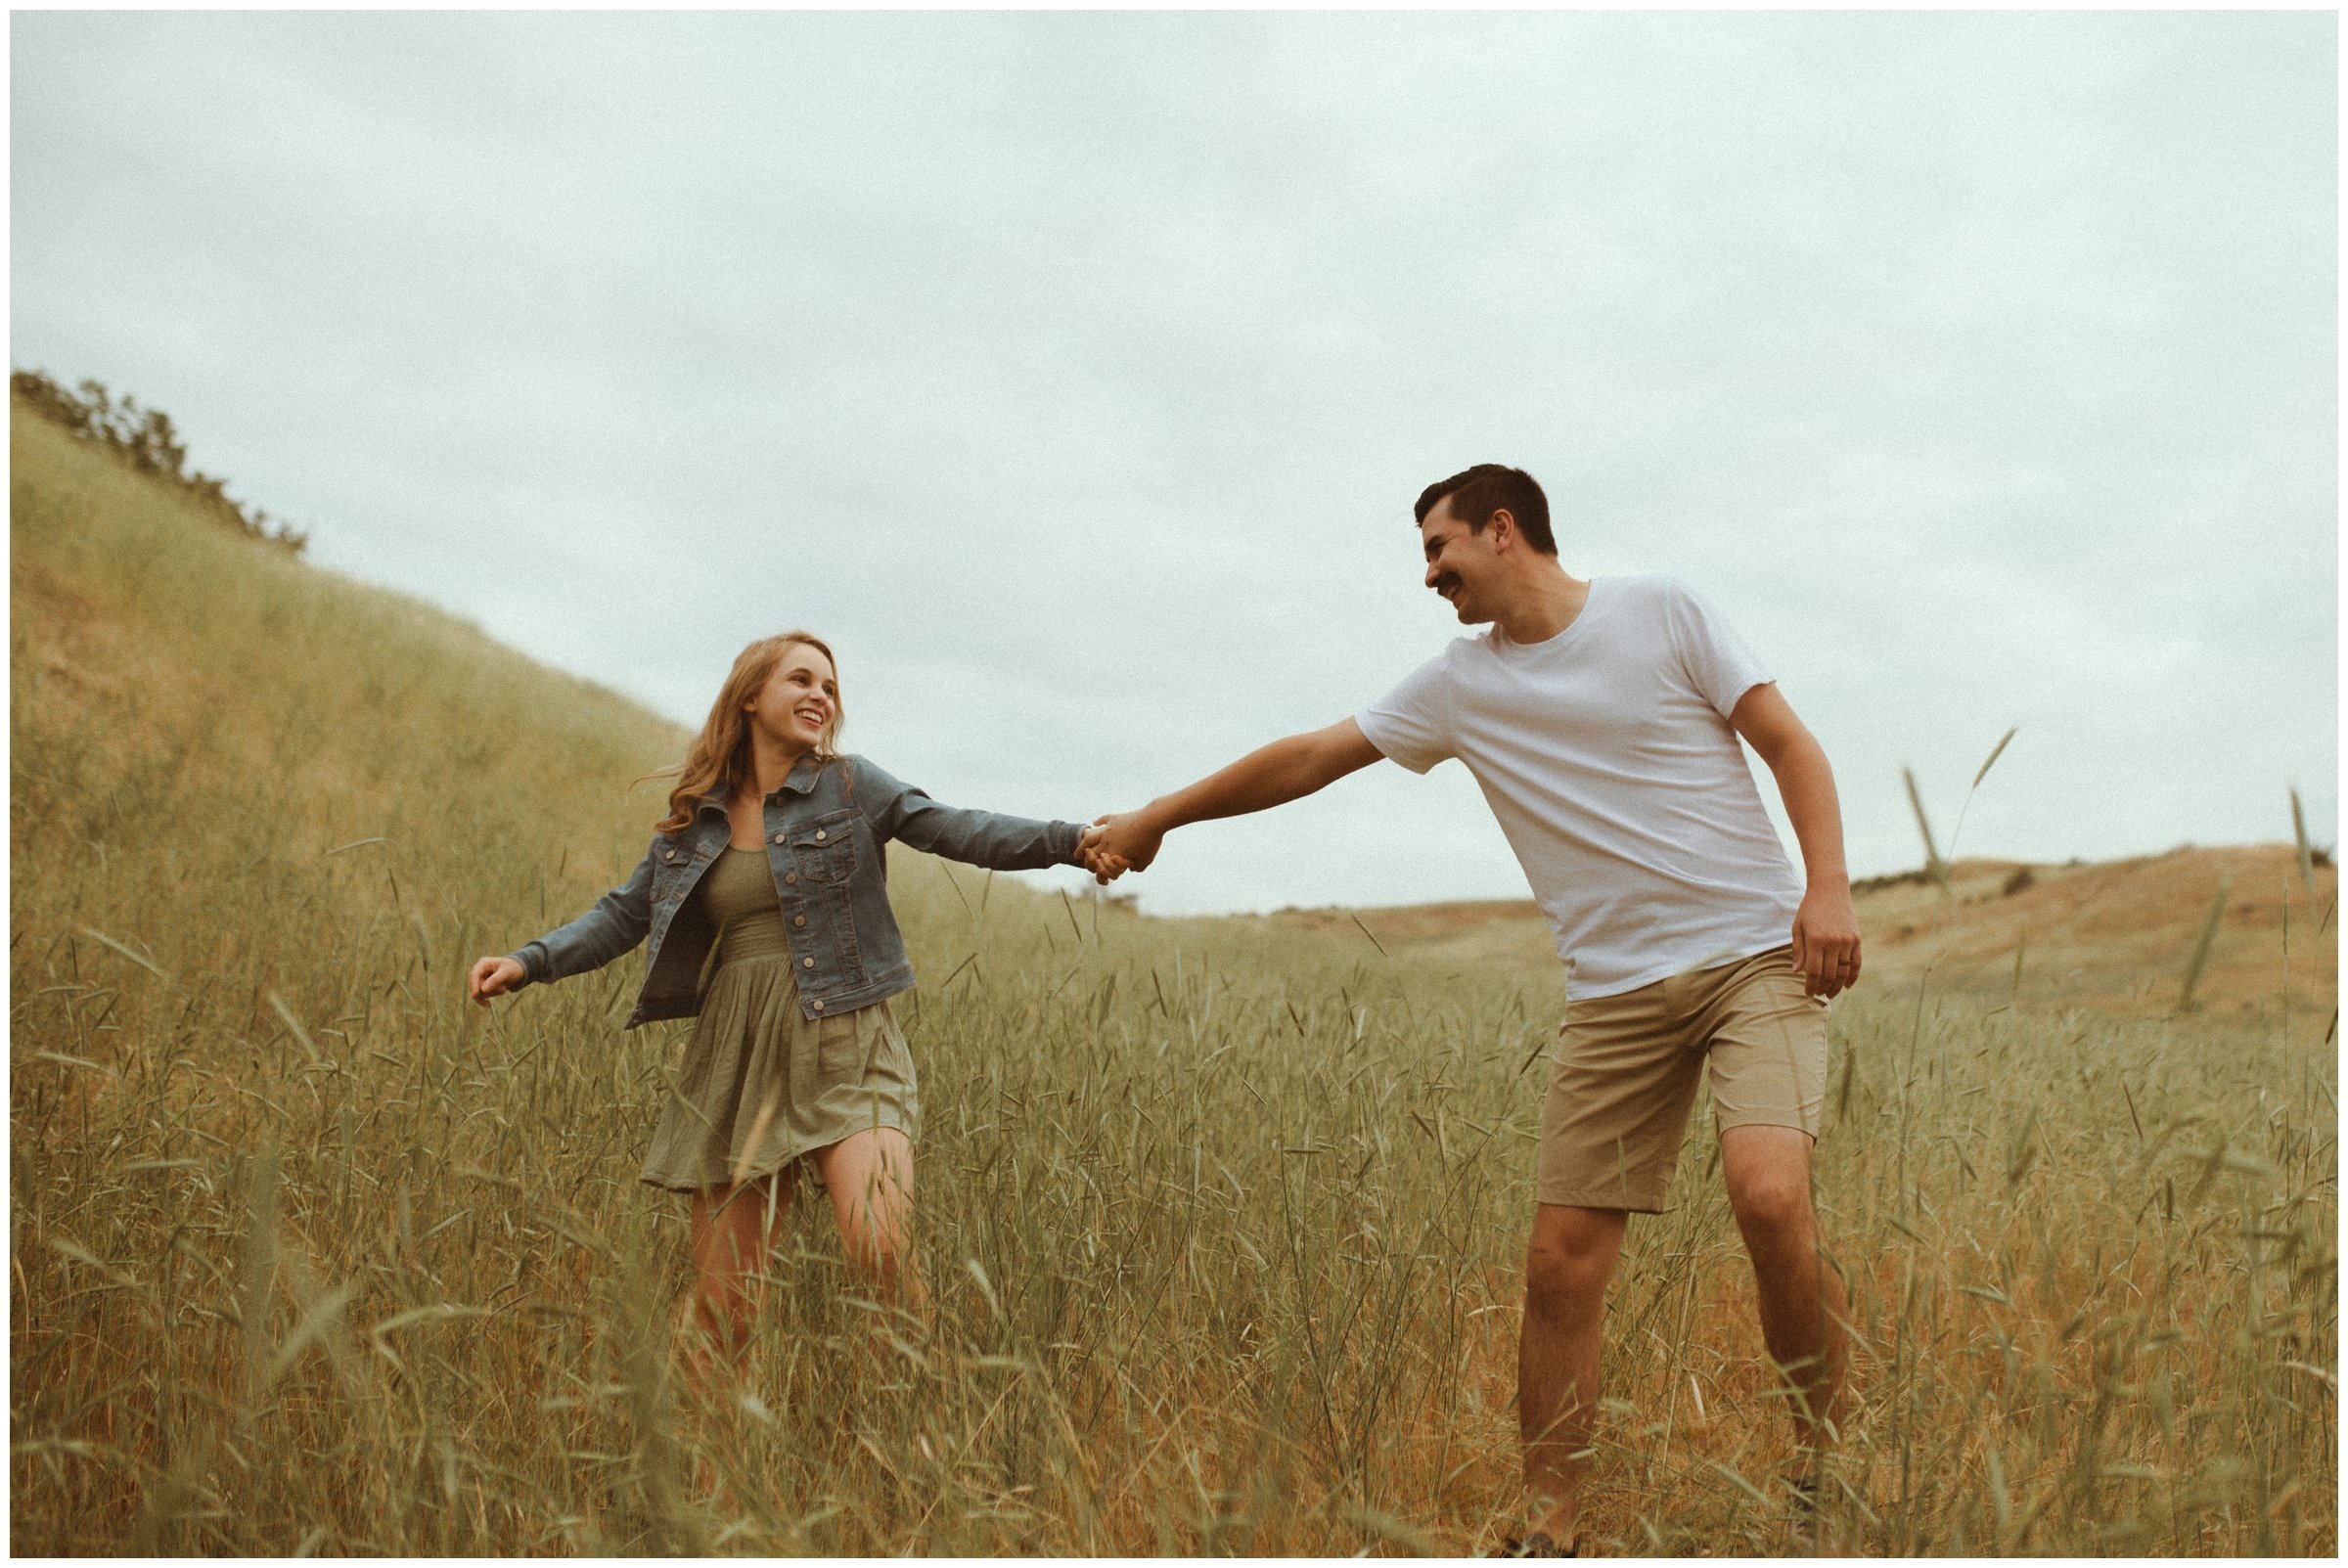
719 763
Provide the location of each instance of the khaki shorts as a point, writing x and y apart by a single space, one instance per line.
1628 1065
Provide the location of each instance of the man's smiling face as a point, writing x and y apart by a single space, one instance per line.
1460 564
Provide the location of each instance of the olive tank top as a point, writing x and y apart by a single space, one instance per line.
738 893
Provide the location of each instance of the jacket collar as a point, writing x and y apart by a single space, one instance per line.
800 781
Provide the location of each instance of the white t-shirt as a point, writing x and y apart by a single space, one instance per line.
1607 755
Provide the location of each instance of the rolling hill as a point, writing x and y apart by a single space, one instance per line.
2115 937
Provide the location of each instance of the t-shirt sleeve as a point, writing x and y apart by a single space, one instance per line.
1412 724
1717 660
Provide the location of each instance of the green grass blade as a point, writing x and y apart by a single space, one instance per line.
2307 855
1995 752
1933 866
141 961
2200 956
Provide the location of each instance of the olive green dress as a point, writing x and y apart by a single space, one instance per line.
761 1083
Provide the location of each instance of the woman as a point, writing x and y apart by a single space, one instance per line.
765 899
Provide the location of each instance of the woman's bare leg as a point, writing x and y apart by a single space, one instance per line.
870 1177
734 1229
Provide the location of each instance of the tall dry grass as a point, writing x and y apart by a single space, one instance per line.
1224 1229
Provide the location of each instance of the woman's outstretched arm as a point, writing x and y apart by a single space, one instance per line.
899 811
618 921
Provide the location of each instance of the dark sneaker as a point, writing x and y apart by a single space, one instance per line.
1537 1545
1805 1512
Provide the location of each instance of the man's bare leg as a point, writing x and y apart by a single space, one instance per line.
1802 1300
1565 1273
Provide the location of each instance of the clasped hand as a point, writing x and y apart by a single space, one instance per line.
1117 843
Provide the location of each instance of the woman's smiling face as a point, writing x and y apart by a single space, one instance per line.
800 699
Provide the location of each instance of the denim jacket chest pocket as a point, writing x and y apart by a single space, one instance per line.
674 863
824 850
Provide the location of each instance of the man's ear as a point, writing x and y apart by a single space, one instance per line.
1503 529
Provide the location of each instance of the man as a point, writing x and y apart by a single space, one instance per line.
1602 719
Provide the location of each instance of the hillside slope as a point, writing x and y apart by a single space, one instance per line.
228 719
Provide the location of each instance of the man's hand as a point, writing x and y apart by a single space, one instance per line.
1826 942
1125 841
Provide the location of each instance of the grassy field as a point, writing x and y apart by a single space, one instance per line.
1223 1217
2115 938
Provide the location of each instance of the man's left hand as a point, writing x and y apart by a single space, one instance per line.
1826 942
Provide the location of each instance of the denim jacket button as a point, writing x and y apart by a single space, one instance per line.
799 919
806 964
817 1003
777 838
819 836
791 876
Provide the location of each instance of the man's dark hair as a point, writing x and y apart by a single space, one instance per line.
1478 492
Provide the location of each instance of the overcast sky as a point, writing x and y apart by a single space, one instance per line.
1074 374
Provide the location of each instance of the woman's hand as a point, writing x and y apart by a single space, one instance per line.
1105 869
494 977
1122 840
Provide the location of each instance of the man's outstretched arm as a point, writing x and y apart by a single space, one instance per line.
1826 928
1271 776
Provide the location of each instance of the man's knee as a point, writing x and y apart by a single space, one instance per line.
1569 1261
1771 1202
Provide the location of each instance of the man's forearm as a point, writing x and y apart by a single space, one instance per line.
1267 777
1806 783
1271 776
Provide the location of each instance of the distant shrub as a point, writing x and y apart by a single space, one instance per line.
2021 878
1875 884
147 441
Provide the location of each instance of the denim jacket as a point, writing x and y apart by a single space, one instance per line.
827 833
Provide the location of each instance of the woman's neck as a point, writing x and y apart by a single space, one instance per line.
771 762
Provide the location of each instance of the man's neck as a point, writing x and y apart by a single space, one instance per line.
1546 603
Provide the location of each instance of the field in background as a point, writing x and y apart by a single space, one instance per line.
1223 1217
2114 938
